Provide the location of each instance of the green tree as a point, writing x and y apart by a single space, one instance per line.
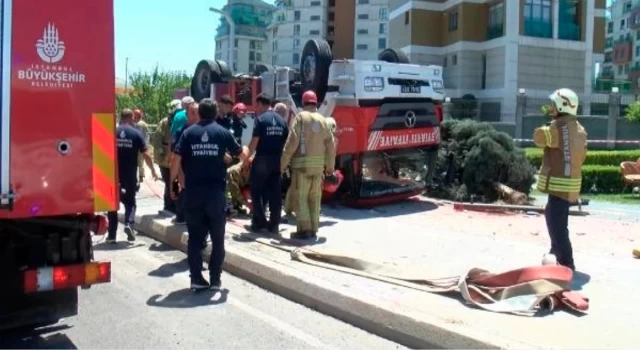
152 91
633 112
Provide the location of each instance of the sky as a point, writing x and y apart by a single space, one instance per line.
175 34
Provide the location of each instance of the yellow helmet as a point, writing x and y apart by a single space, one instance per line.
565 100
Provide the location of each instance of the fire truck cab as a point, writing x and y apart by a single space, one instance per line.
387 111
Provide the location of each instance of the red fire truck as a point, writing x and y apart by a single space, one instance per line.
57 148
387 111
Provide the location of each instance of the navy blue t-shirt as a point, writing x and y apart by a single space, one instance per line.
273 133
202 147
176 136
130 142
225 121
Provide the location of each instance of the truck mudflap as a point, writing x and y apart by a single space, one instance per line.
54 57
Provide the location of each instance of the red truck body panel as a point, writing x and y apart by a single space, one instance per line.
59 106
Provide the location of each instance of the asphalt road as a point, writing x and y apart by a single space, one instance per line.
148 305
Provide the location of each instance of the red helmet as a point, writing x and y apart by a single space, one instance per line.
239 108
309 97
137 113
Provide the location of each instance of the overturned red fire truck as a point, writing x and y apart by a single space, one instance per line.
388 114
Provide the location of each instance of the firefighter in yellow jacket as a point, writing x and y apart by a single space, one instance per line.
564 142
311 152
237 180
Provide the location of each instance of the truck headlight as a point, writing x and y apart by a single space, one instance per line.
437 86
373 84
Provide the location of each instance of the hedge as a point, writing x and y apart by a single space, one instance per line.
607 158
601 179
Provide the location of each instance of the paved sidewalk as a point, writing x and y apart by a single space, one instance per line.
439 242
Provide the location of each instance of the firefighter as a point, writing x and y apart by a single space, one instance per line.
269 135
564 142
311 152
130 142
224 114
161 141
283 111
141 125
238 179
200 153
177 187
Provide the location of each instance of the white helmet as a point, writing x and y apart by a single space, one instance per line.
565 100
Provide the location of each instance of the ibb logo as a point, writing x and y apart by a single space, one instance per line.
50 48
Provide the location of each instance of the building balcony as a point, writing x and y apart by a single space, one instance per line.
634 18
495 31
604 85
538 28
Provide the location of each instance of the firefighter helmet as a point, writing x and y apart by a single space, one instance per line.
309 97
137 113
239 108
565 100
174 105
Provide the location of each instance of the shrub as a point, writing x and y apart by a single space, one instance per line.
612 158
480 156
633 112
601 179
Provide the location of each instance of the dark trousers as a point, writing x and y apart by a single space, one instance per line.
169 205
179 203
266 189
557 215
205 214
128 199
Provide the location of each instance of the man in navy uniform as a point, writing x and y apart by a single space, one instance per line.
130 143
200 152
269 136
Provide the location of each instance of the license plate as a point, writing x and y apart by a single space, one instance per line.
409 89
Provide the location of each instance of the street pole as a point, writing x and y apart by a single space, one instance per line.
232 35
126 75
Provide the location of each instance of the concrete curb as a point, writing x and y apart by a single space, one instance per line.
385 319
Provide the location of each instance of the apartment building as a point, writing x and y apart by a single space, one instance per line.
492 48
353 28
621 66
250 46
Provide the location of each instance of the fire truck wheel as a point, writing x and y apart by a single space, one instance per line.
225 72
263 68
207 72
314 67
393 56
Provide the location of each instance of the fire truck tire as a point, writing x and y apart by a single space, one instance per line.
263 68
393 56
316 76
207 72
225 72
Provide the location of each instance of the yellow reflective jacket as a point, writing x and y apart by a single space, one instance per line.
310 147
565 148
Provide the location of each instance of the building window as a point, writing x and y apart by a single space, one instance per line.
496 21
362 47
235 43
568 23
258 57
252 56
610 27
382 28
444 62
483 82
314 32
252 67
626 68
363 16
620 69
314 18
622 24
274 46
296 15
274 59
332 3
330 30
453 21
332 16
537 18
454 60
296 58
315 3
383 14
363 31
296 29
382 43
406 18
363 2
296 42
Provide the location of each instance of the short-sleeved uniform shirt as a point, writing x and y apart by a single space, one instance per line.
177 135
202 147
130 142
272 132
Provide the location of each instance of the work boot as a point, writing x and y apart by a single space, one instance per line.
199 283
216 283
129 231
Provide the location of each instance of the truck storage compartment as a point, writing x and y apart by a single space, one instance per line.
56 132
